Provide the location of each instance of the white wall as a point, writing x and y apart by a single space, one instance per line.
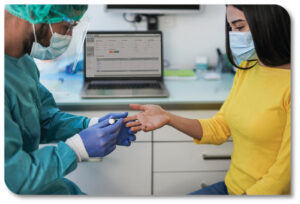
185 35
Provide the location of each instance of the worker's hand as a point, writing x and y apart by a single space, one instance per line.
126 136
101 139
152 117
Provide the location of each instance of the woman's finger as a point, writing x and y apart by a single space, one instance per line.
136 129
130 118
137 107
132 124
130 132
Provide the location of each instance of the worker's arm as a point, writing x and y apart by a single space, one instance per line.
26 173
278 178
55 124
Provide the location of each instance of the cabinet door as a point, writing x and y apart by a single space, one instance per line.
126 171
168 133
140 136
183 183
187 156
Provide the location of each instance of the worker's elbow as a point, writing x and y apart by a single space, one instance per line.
18 189
12 188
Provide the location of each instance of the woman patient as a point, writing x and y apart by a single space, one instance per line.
256 113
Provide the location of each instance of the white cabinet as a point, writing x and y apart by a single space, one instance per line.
181 166
126 172
184 167
187 156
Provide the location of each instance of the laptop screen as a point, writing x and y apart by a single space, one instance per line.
123 55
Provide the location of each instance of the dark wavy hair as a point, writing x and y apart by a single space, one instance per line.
270 27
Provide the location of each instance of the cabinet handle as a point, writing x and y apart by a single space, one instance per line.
216 157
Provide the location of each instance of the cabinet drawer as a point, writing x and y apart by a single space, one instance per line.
187 156
140 136
126 171
183 183
168 133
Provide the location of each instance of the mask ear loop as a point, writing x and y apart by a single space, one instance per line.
51 28
33 28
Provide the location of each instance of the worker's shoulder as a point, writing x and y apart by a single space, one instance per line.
21 78
22 69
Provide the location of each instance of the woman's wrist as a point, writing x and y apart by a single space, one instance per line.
169 118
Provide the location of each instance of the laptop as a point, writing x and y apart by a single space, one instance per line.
123 65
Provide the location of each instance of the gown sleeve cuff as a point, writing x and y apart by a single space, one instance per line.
93 121
78 147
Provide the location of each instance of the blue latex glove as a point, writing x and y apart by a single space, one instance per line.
126 136
100 139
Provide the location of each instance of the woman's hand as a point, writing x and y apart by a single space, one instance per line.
152 117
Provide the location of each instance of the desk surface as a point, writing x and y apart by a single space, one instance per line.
182 92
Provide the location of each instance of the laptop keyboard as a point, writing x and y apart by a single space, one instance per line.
125 86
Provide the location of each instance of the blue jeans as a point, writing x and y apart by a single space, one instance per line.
214 189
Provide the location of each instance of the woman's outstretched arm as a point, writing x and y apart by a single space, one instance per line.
153 117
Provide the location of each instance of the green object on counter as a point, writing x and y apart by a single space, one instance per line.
179 72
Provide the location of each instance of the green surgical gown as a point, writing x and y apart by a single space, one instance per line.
32 118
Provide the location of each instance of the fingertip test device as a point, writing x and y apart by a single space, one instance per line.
112 121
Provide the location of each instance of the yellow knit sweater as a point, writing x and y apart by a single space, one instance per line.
256 115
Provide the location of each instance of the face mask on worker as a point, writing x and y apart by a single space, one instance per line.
58 45
242 46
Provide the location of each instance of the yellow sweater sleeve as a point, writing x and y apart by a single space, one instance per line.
277 179
216 130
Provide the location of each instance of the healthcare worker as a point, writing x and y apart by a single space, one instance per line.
257 112
31 115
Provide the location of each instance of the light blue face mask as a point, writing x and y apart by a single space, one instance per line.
58 45
242 46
